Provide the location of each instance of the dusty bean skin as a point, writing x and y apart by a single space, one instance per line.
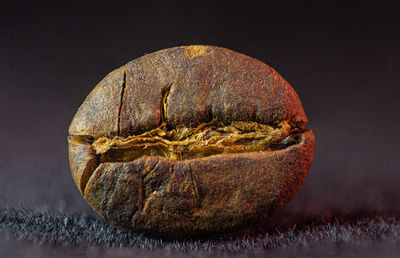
190 141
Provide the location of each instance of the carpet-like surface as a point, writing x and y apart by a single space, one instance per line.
79 231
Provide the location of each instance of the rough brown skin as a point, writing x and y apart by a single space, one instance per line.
188 86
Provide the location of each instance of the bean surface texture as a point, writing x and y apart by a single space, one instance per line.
190 141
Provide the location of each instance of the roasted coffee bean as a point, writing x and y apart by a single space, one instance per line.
190 141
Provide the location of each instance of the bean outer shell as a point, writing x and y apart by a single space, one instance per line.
171 198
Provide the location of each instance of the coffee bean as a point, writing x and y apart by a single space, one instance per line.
190 141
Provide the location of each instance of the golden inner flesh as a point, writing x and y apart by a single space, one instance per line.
184 143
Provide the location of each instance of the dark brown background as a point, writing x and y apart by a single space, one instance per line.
342 58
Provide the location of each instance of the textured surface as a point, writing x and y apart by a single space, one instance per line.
186 88
334 237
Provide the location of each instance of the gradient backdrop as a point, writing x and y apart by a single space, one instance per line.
342 58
